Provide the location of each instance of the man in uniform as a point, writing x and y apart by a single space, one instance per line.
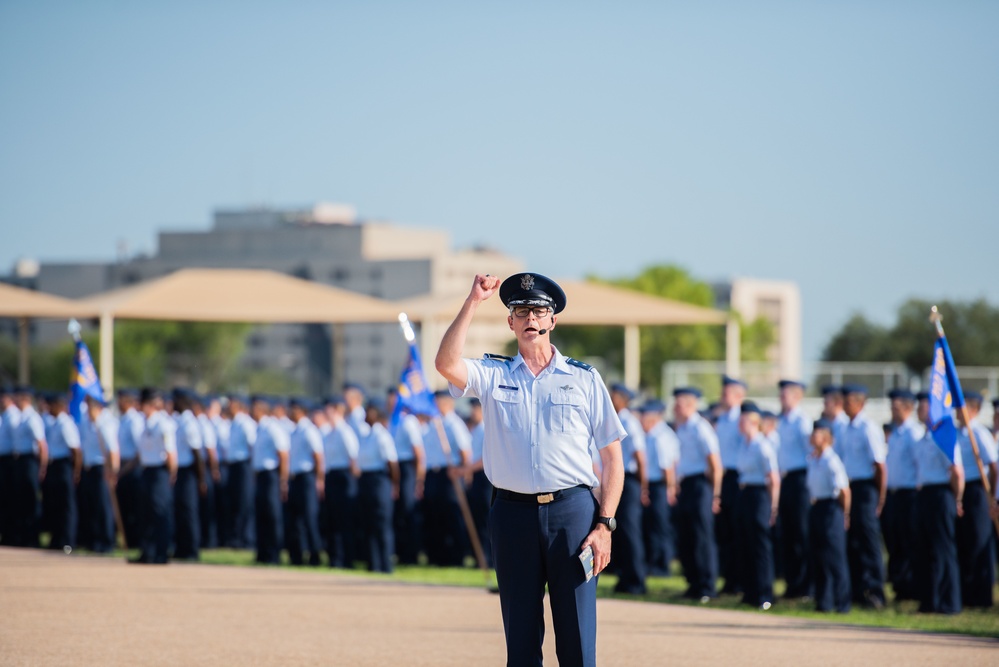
307 484
340 446
832 410
863 448
190 482
270 465
9 420
65 463
444 537
662 450
898 520
127 490
158 456
974 527
627 539
730 448
480 491
541 410
412 474
700 473
101 462
242 436
31 459
794 431
356 415
379 485
940 484
759 493
211 462
828 518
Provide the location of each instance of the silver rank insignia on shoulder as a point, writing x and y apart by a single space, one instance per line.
527 282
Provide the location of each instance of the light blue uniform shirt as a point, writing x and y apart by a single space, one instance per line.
795 431
11 418
633 442
986 449
223 428
377 448
459 440
188 438
538 429
932 465
478 440
407 436
358 420
340 445
159 438
271 439
697 442
826 476
29 431
306 442
863 445
901 458
730 442
757 461
209 438
98 437
242 437
61 437
662 451
129 431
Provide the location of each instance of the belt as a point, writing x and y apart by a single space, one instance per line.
933 487
540 498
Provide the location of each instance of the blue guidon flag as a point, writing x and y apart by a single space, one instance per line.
83 381
945 395
414 394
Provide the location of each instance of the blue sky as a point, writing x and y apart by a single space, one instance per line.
852 147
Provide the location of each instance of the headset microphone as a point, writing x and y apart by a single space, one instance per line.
542 332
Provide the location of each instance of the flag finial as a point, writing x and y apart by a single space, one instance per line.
937 319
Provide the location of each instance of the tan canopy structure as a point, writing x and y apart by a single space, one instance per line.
25 304
589 303
231 295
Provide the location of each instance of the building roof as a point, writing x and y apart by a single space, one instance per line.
20 302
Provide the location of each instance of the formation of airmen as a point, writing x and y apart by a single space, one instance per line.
733 492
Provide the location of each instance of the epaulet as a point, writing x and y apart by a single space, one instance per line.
578 364
497 357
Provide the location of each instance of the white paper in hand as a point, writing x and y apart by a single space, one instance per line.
586 558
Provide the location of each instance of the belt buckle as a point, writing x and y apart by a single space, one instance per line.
545 498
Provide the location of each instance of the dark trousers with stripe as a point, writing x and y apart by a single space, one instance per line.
268 517
375 498
534 545
241 505
302 519
696 539
728 530
128 491
96 526
793 509
974 547
442 527
407 538
827 547
60 502
863 544
187 531
937 571
756 548
628 549
898 527
658 531
157 506
341 510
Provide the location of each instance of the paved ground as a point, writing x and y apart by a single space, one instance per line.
57 610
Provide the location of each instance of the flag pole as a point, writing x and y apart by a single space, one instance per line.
937 319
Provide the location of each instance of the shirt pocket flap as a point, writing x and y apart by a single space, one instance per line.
506 395
566 398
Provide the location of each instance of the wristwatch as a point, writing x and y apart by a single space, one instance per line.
608 521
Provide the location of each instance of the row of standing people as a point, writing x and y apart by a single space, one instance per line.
744 495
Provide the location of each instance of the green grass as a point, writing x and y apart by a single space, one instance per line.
669 590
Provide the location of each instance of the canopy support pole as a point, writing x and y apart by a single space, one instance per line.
24 356
107 354
632 357
733 348
337 366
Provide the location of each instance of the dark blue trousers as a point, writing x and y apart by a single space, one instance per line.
728 531
268 517
936 564
827 544
223 515
128 490
793 509
157 504
442 521
26 510
186 532
898 527
658 531
375 499
407 537
628 550
241 505
974 547
60 500
341 510
6 500
696 539
863 543
302 520
480 497
538 544
209 533
756 548
96 528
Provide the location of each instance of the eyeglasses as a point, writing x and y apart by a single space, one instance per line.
524 311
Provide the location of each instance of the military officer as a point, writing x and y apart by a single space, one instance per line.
130 426
212 473
242 436
662 450
270 465
157 451
975 543
794 431
828 519
340 446
541 410
940 484
379 486
356 415
30 454
444 537
832 409
220 418
898 519
101 462
863 451
307 484
627 539
730 448
65 464
9 420
412 475
190 482
700 473
759 493
480 491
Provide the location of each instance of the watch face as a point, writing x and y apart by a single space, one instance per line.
610 522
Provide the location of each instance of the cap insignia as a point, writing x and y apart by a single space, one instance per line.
527 282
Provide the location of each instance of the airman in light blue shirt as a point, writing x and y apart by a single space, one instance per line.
697 442
188 438
272 440
459 439
11 418
862 446
62 437
158 440
377 450
662 450
794 431
730 441
408 436
827 476
901 457
29 432
242 436
129 431
758 460
99 438
306 447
